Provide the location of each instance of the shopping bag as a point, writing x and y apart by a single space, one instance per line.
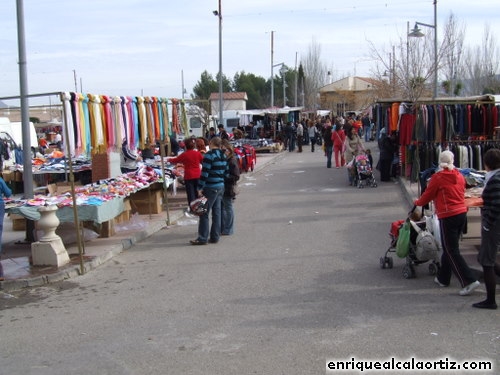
403 243
435 228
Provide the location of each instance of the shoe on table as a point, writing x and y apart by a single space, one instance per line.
468 289
197 242
485 305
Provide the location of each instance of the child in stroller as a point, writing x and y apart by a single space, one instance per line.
363 173
423 247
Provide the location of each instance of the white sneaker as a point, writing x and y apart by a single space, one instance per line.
469 288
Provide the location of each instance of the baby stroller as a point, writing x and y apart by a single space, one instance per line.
422 248
247 157
363 173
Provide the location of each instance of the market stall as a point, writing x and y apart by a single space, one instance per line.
94 127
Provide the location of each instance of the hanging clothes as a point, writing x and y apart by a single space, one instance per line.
119 127
75 117
394 117
184 120
107 119
68 123
143 122
175 116
156 118
125 117
166 122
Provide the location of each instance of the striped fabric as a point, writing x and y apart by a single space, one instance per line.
491 199
214 169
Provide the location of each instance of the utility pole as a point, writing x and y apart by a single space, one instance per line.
74 79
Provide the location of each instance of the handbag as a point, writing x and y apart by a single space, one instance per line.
234 190
403 243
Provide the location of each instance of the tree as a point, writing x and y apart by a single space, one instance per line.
482 64
207 85
453 66
300 88
314 75
254 86
412 65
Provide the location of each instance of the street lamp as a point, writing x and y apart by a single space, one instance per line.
283 71
218 13
272 71
416 33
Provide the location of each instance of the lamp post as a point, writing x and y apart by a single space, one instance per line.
272 67
218 13
25 120
283 71
415 32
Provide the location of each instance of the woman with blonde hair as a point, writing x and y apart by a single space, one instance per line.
353 145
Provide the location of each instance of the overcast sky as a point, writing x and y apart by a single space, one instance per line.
134 47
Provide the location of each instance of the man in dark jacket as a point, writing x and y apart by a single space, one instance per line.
328 144
387 147
490 228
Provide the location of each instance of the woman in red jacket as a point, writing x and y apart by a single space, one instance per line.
191 159
447 189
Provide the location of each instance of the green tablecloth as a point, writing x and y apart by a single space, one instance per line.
98 214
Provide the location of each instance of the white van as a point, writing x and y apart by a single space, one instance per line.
12 132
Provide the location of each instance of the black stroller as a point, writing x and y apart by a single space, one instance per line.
422 248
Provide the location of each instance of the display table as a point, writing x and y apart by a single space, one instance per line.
100 217
99 214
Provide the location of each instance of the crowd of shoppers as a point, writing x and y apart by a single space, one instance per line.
446 188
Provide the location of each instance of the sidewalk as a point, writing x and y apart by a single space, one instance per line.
19 273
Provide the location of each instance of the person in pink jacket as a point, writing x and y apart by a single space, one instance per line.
447 189
338 139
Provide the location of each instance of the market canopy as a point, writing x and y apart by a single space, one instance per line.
270 111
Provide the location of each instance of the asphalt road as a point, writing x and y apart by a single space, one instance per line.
297 285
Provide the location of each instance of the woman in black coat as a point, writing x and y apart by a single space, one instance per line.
387 146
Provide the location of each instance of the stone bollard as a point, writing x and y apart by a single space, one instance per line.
49 250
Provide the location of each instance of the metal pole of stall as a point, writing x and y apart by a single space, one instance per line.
165 187
69 165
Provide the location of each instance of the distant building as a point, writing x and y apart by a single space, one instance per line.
232 101
349 94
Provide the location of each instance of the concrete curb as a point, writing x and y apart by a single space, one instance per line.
407 194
